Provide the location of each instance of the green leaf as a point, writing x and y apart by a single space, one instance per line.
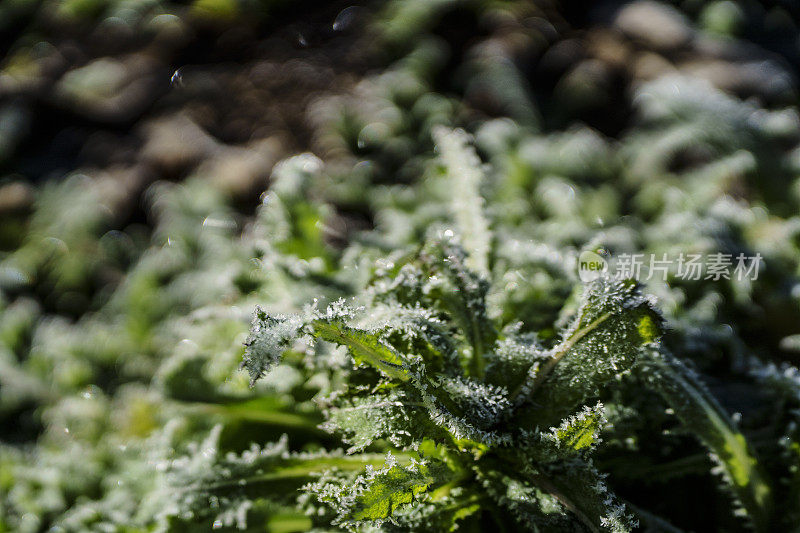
581 490
523 504
365 347
581 431
395 487
443 514
613 324
269 338
208 482
461 293
394 414
702 415
375 495
575 437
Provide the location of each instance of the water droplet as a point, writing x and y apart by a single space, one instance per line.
217 524
177 79
345 18
214 222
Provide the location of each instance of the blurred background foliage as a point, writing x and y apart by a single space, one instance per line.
151 195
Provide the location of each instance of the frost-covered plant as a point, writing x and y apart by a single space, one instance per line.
485 415
495 425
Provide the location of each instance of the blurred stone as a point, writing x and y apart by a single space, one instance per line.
609 48
766 79
169 29
15 197
175 143
649 66
544 27
104 147
243 171
585 86
562 55
215 13
20 72
657 25
120 187
723 18
15 122
112 90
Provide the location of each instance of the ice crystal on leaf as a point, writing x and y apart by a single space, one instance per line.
269 338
